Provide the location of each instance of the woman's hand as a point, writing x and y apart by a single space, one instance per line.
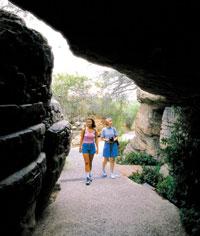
97 151
115 138
80 149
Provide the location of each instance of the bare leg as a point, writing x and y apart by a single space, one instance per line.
105 160
91 156
87 167
112 164
87 162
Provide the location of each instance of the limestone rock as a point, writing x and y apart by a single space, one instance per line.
168 120
149 98
56 111
164 170
147 129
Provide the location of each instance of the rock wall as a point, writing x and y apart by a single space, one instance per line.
34 138
147 124
168 119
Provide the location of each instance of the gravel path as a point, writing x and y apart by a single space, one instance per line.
117 207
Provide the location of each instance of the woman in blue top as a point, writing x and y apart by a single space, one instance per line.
110 151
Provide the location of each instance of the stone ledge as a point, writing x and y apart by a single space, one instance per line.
128 170
18 196
20 148
21 116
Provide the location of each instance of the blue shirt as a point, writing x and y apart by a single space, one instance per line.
109 132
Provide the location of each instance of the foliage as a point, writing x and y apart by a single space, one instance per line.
191 219
118 83
71 92
78 100
182 154
122 147
150 175
166 188
139 158
137 177
130 114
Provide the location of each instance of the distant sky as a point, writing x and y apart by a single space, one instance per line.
64 60
3 2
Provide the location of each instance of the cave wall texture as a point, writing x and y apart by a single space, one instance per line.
154 43
34 138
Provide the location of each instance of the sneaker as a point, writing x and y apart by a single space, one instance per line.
90 177
87 182
112 176
104 174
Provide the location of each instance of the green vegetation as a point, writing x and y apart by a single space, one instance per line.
130 114
182 154
138 158
166 188
181 187
182 147
150 175
121 149
78 100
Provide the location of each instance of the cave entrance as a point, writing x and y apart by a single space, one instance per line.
98 105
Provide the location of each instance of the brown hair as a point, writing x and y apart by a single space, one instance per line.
93 122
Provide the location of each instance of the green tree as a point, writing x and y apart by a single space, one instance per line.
71 92
77 97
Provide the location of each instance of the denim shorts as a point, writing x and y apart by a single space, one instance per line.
110 150
88 148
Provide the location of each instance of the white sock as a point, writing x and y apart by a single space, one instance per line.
87 174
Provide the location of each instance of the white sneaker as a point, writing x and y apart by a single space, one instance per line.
87 181
112 176
104 174
91 177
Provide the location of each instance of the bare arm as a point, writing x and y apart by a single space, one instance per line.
97 142
104 139
81 140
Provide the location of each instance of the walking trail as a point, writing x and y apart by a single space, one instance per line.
117 207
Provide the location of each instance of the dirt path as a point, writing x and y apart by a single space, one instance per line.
117 207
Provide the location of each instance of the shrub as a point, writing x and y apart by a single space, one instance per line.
150 175
136 177
139 158
122 146
182 154
191 219
166 188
